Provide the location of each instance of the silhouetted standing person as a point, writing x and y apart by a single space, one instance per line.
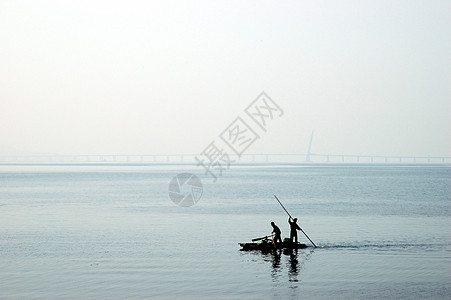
294 227
277 234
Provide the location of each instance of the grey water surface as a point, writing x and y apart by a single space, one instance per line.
112 232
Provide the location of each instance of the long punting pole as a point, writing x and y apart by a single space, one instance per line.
292 219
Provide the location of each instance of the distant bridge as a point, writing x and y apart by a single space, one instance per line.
233 158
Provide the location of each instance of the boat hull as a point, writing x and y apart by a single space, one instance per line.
269 246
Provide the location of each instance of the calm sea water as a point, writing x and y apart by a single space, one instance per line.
111 232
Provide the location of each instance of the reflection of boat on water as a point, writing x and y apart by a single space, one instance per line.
286 262
267 244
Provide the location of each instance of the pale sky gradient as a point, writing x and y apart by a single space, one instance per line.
144 77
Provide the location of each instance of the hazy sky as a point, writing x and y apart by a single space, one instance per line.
137 77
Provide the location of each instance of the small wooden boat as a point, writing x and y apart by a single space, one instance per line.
266 244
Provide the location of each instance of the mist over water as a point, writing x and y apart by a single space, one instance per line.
147 77
112 232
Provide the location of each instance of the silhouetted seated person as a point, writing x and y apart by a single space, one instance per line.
277 234
294 227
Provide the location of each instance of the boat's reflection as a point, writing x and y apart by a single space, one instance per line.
293 262
275 271
294 267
